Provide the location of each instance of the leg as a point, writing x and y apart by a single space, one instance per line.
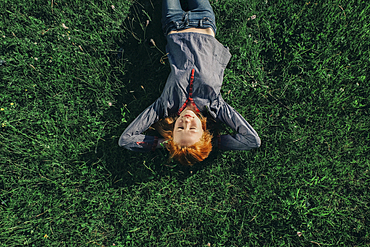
200 6
201 14
171 11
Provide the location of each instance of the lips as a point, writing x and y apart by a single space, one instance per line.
187 115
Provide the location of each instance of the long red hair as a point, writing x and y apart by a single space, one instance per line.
185 155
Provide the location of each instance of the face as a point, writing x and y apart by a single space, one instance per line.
188 129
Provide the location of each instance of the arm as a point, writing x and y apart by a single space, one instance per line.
133 139
246 137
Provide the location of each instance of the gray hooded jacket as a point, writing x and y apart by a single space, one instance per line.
197 64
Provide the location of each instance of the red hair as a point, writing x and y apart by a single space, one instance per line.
185 155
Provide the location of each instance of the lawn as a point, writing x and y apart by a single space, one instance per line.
75 74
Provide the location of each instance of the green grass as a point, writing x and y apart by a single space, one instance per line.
299 74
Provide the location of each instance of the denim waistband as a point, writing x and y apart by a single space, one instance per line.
189 20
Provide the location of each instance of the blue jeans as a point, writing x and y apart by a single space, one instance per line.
174 18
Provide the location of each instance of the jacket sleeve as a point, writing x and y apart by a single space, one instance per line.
133 139
246 137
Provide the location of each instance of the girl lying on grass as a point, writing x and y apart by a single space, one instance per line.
197 63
